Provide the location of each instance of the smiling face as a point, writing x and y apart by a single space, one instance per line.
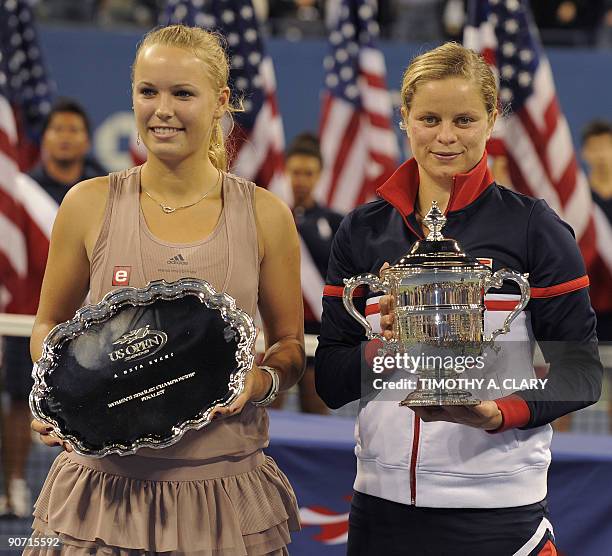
175 103
447 126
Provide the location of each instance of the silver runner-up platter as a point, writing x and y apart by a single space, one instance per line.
438 305
142 367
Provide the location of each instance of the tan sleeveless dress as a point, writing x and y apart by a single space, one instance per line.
214 493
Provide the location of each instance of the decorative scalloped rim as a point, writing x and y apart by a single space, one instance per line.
240 321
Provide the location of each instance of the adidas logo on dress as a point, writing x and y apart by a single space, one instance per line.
177 259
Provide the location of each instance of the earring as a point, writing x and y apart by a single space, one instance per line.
138 138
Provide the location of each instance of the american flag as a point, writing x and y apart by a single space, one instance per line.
535 136
25 99
257 138
359 147
27 86
13 251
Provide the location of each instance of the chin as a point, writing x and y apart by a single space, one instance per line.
64 160
444 174
165 153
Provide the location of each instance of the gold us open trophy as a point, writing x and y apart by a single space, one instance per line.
438 292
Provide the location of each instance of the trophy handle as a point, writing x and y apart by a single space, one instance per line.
350 284
495 281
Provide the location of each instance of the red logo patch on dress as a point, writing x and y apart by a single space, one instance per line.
121 275
486 261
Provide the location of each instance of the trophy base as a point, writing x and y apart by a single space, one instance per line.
437 398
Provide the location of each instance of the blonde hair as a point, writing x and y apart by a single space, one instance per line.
450 60
208 47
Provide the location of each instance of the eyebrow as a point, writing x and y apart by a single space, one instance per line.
458 115
177 85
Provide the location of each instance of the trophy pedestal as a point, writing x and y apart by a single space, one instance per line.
438 398
438 395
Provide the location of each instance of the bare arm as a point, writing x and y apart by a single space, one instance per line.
280 301
280 292
66 280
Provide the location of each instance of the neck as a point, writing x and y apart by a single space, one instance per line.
180 183
304 203
601 182
67 173
430 190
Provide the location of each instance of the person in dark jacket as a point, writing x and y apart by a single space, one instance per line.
66 141
597 153
457 479
317 225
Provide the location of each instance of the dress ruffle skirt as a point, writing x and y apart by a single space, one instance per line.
224 508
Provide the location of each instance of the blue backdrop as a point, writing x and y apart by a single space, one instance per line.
316 453
94 66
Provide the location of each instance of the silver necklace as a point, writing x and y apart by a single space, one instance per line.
169 210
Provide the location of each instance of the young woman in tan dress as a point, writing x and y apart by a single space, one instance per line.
214 493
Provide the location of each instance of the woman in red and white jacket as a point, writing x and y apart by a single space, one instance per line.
458 480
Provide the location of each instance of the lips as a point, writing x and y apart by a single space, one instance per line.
446 156
164 132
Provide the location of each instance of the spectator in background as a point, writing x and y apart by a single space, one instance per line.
317 226
66 10
568 22
108 13
418 20
64 162
142 13
386 13
453 19
597 153
295 19
604 35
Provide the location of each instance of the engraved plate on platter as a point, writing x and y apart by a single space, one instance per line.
142 367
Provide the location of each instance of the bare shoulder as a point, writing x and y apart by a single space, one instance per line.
82 210
275 224
88 193
85 202
270 209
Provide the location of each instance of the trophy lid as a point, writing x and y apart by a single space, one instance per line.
436 250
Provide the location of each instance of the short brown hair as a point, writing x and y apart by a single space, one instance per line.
450 60
596 127
66 105
306 144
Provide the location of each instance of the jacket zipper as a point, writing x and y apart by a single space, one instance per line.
417 421
413 460
450 198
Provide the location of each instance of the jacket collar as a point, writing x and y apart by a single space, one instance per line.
402 187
